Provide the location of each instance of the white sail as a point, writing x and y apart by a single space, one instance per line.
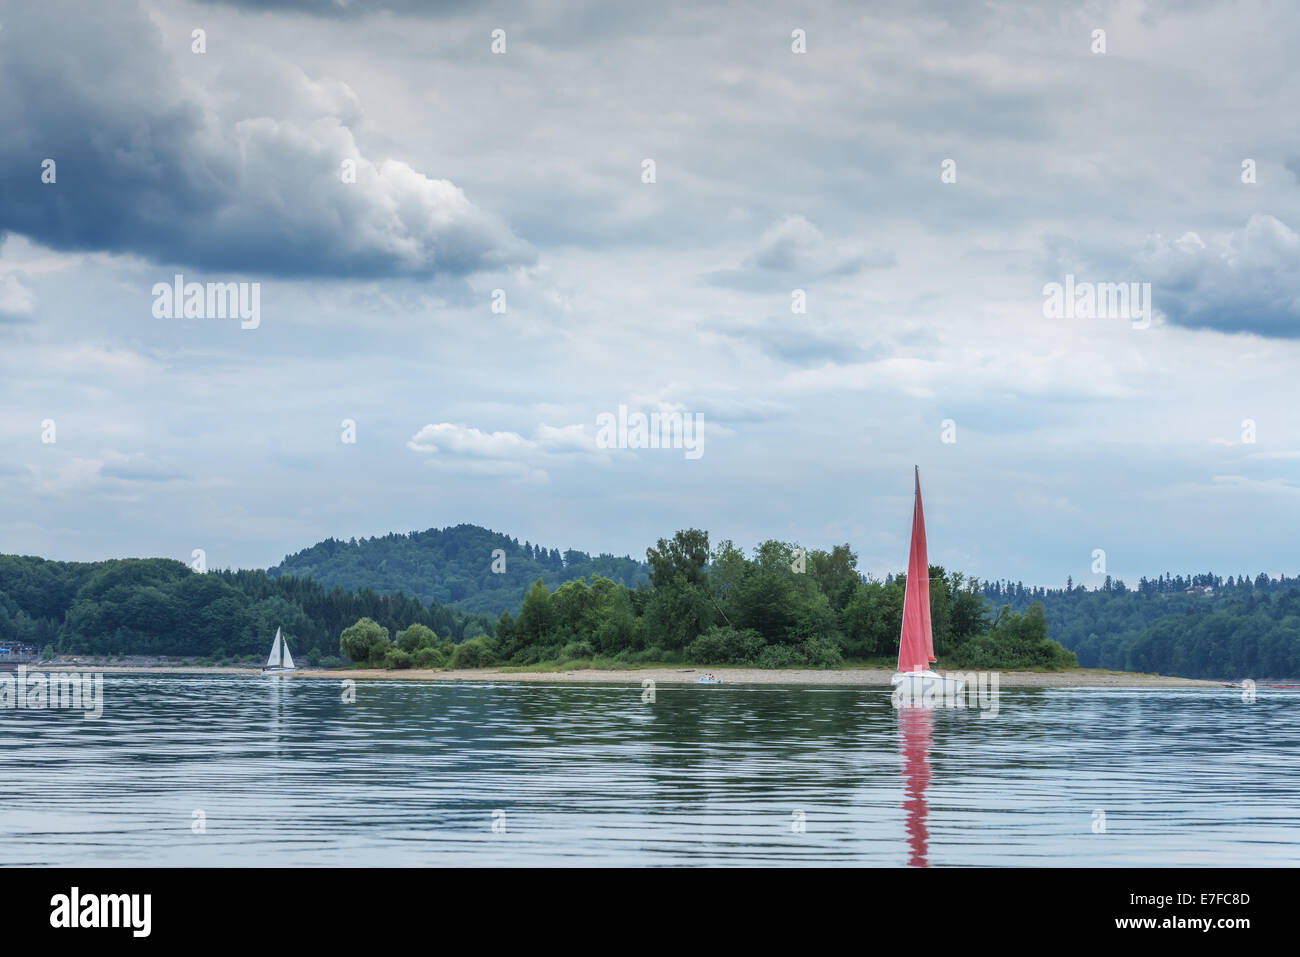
274 660
288 658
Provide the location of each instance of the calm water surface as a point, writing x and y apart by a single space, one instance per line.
285 773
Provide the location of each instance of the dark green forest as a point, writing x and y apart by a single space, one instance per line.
452 566
689 602
158 606
775 608
1199 626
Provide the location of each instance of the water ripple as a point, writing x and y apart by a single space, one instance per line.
286 773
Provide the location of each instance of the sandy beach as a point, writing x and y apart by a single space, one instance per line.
853 677
861 677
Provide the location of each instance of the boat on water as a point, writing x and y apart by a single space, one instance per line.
708 680
916 679
280 662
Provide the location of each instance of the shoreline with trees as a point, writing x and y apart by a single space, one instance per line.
778 609
601 672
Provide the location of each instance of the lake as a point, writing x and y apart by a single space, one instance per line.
238 770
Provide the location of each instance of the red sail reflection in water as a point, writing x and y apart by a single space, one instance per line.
916 730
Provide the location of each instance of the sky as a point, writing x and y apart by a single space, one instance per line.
478 230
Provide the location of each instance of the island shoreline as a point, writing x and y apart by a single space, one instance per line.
847 677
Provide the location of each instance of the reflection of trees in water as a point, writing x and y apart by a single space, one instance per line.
695 748
750 742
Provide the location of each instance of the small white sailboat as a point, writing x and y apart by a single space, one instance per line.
280 662
916 681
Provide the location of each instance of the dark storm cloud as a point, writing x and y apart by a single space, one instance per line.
145 167
1245 281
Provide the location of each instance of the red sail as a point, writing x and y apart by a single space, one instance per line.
916 644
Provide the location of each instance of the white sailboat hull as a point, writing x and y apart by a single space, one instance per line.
916 684
278 671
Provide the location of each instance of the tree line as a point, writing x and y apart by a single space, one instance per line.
158 606
774 607
1198 626
466 566
779 607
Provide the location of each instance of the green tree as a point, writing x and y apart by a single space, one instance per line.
438 657
677 613
395 657
686 554
836 574
969 610
536 622
416 636
365 641
872 619
764 599
1016 641
475 653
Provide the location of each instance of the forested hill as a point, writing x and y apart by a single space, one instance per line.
158 606
453 566
1198 626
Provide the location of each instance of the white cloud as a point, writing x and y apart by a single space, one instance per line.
462 440
110 474
795 245
17 300
567 438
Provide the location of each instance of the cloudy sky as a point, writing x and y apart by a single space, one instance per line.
1171 445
